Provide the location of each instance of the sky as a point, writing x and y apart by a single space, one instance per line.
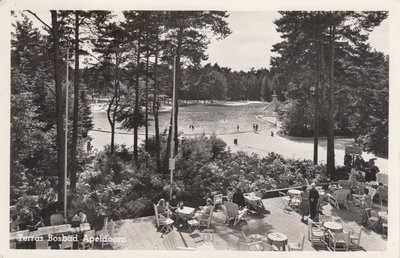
253 34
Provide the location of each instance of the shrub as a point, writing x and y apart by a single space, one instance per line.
114 186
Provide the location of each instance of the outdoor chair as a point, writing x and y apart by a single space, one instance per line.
322 200
360 187
66 244
253 246
208 236
88 240
315 234
339 197
57 219
345 184
233 242
169 243
299 244
362 201
268 247
371 192
252 238
42 244
106 232
372 218
218 199
161 221
354 236
285 200
193 223
228 196
232 212
206 222
382 192
384 225
338 241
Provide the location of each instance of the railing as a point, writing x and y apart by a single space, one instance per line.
275 192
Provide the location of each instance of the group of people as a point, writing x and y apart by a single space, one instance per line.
169 209
309 202
356 162
191 127
37 216
238 198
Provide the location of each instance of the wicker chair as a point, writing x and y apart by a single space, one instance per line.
315 233
382 192
354 235
338 241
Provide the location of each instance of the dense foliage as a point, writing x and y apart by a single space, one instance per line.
325 59
212 82
33 167
111 185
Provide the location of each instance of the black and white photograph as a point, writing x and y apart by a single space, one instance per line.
189 129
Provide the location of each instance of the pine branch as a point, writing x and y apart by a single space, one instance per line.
39 19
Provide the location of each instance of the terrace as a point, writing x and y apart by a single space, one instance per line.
141 233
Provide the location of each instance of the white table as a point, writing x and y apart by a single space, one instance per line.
333 226
278 239
294 192
185 212
252 201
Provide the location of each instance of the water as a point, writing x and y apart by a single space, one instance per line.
223 121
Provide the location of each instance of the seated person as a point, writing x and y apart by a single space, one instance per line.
258 193
75 221
82 217
366 199
162 208
173 205
205 211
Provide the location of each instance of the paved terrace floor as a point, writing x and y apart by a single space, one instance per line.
141 233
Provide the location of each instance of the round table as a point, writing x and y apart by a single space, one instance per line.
278 239
333 226
294 192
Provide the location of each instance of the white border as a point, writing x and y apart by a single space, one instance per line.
233 5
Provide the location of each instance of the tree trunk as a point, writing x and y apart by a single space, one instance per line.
316 95
155 109
330 144
178 83
111 122
59 110
115 99
74 161
178 56
147 101
136 115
